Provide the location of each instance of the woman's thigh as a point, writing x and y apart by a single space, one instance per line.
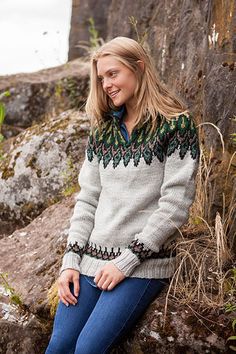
70 320
116 312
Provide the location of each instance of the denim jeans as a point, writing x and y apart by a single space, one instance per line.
100 318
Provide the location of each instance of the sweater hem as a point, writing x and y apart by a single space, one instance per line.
151 268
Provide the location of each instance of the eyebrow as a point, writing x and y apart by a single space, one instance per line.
106 72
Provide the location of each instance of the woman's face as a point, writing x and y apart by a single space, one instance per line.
117 80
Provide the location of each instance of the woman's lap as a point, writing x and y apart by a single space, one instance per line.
100 317
70 320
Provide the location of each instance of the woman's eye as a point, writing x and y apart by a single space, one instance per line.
113 73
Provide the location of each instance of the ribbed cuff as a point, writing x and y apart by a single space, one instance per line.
126 262
70 260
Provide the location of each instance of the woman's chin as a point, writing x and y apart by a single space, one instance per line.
117 102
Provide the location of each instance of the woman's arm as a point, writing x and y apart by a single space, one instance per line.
82 221
177 195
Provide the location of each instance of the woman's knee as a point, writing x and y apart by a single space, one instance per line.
85 345
60 345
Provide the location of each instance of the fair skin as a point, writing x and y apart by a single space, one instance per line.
119 83
106 279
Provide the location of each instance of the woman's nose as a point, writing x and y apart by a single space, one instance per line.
106 83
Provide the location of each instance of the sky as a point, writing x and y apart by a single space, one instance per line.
34 34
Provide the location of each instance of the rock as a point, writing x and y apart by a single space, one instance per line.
35 97
33 332
41 167
34 265
179 332
220 100
32 269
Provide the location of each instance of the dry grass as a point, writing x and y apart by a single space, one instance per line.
53 298
205 250
202 261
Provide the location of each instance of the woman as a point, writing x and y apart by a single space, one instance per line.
137 184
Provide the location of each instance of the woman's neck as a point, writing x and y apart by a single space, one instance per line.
131 115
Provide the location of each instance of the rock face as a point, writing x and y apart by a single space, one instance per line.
34 265
182 333
34 97
32 269
41 166
193 44
31 330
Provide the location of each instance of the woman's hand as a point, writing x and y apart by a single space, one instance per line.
108 277
68 276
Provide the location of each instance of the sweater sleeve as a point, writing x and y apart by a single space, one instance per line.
82 220
177 195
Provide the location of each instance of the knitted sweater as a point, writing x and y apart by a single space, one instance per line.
134 197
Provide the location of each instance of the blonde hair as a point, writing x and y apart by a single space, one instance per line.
151 95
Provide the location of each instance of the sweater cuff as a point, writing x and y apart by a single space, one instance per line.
70 260
126 262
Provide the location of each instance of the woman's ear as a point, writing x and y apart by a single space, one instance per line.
141 64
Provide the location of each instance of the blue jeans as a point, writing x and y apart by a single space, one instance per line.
100 318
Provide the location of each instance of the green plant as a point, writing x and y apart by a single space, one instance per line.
140 38
14 297
231 307
234 134
94 37
230 285
95 41
58 90
233 338
2 112
71 87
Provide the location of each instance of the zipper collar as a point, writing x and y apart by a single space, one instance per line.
119 114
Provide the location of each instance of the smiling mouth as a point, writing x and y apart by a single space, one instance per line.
114 93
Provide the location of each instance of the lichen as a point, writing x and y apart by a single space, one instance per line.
7 170
7 173
31 162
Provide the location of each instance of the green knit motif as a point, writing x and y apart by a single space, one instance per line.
109 144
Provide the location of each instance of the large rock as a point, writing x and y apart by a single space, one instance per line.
32 270
14 325
179 331
35 262
40 167
35 97
219 105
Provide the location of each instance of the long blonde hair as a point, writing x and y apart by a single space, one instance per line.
152 96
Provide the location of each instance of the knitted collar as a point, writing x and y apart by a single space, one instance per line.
119 114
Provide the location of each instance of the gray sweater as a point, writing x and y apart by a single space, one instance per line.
134 197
